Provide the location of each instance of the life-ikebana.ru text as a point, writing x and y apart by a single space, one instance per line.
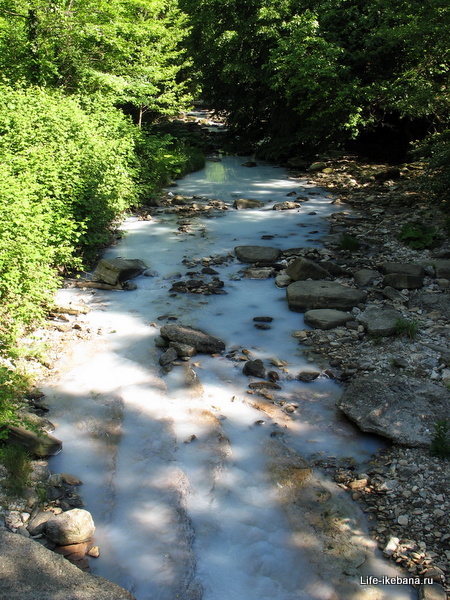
385 580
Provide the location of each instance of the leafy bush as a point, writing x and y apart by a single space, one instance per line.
418 236
435 151
17 462
407 327
440 444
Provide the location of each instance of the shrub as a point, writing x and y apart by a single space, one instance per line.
350 243
440 443
17 462
418 236
407 327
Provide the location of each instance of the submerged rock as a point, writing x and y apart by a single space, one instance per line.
244 203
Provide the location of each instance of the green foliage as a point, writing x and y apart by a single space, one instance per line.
407 327
350 243
440 443
128 50
13 385
418 235
17 462
435 151
299 75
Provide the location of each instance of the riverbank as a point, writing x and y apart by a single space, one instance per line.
67 330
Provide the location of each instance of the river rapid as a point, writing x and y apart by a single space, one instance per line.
200 490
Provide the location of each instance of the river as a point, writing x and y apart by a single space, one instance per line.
181 470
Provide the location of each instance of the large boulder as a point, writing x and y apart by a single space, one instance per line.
308 295
38 444
403 275
28 570
380 320
117 271
70 527
302 268
402 409
201 341
257 254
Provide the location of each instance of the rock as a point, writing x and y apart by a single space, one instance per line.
28 570
391 546
118 270
36 524
391 294
400 408
261 385
365 277
434 591
308 295
282 280
201 341
249 163
254 368
183 350
442 269
38 444
380 320
257 254
70 527
317 166
308 376
403 275
243 203
261 273
326 318
302 268
286 205
168 357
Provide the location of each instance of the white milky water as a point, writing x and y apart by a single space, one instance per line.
187 518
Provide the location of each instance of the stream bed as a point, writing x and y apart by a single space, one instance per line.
199 489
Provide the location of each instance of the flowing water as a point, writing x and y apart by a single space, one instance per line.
191 479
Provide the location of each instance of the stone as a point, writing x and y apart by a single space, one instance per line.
38 444
282 280
435 591
380 320
254 368
326 318
308 376
168 357
302 268
261 273
70 527
403 275
28 570
317 166
286 205
309 295
183 350
365 277
400 408
442 269
118 270
201 341
257 254
244 203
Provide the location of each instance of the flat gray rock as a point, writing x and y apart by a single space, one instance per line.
257 254
309 295
402 409
28 571
403 275
326 318
365 277
380 320
302 268
201 341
